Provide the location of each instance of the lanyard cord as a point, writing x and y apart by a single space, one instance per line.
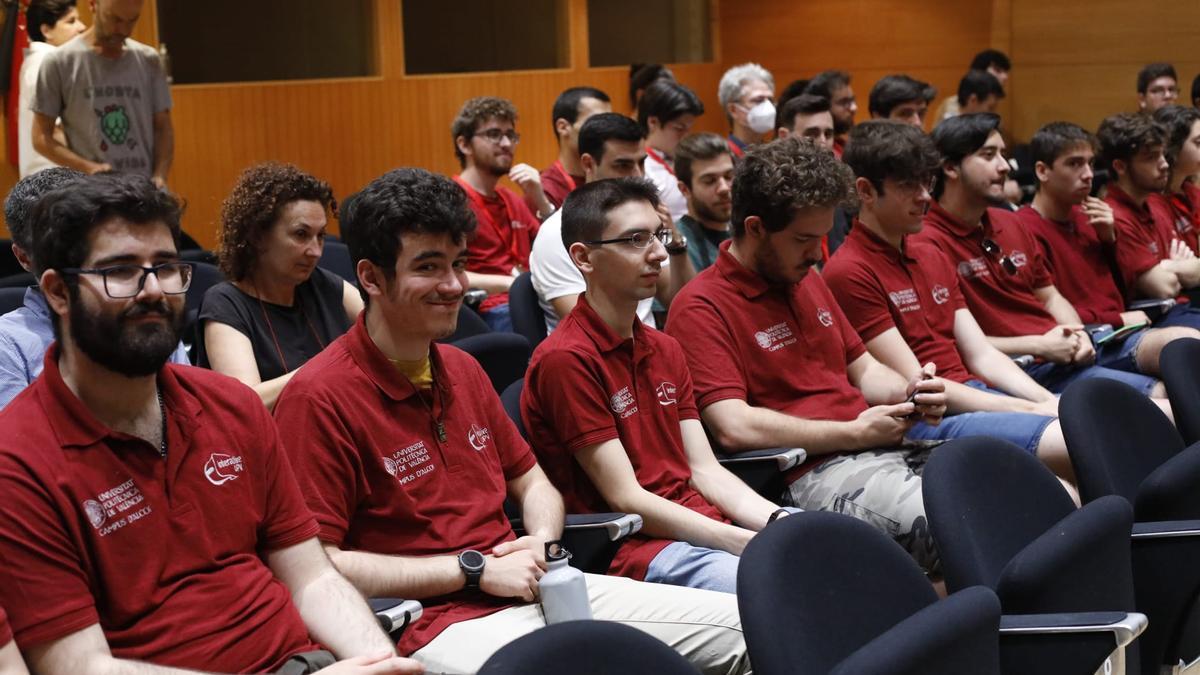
275 338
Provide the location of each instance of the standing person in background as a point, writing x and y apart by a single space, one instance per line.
571 109
746 93
50 24
667 112
112 95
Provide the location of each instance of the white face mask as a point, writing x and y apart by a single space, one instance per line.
761 118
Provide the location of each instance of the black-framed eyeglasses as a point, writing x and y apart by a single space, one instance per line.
639 239
993 249
126 281
497 135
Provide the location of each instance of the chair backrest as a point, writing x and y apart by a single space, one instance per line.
19 280
336 258
204 277
586 648
1180 365
469 324
980 486
511 398
504 356
527 316
11 298
9 264
1115 436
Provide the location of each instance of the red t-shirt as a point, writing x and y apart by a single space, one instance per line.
1002 302
164 555
504 237
1143 237
915 291
587 385
1181 210
1081 264
557 183
365 447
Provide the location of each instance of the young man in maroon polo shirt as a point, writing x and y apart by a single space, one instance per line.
901 98
1077 237
1179 203
485 137
775 363
571 109
1153 261
160 528
407 456
10 656
609 407
904 300
1003 277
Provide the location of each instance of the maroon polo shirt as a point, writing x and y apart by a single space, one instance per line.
1081 264
381 479
1182 211
587 385
1002 301
557 183
913 290
1143 237
163 554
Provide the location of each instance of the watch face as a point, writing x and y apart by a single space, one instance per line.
471 559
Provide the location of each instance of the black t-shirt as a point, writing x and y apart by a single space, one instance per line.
316 318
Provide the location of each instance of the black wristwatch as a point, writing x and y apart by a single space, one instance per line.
471 563
678 245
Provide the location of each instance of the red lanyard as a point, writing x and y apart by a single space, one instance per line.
518 250
735 149
565 176
653 154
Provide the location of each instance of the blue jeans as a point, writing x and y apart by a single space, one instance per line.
1057 377
681 564
1180 315
498 319
1021 429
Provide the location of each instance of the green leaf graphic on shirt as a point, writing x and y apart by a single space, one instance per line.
114 123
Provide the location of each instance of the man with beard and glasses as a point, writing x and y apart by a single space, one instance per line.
704 166
834 86
26 332
151 521
485 138
1001 271
407 456
775 363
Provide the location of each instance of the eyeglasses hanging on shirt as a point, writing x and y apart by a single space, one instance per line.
993 249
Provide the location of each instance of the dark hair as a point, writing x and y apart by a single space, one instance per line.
604 127
1151 72
823 84
46 12
585 211
477 111
882 149
1122 136
666 100
991 58
697 147
255 203
804 104
1196 91
1053 140
957 137
1177 121
25 194
566 106
776 180
981 83
642 75
792 90
63 219
400 202
894 90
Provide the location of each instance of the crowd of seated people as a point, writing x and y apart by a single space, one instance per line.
864 292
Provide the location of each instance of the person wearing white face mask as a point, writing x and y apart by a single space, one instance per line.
747 94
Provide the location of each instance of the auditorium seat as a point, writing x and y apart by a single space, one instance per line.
586 648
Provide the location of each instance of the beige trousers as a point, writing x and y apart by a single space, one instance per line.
703 626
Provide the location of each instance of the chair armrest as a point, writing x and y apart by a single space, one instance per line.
784 458
615 525
1023 360
1093 328
474 297
1125 626
1166 528
395 614
1152 307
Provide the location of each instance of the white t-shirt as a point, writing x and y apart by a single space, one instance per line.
668 185
554 275
29 160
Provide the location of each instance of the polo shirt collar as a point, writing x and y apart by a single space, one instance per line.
34 301
77 427
379 368
951 222
605 338
748 282
875 244
1122 197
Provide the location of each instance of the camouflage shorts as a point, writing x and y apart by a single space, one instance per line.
880 487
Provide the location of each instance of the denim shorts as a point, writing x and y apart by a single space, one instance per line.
1057 377
1120 355
681 564
1021 429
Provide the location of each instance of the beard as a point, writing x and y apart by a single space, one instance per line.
133 350
769 267
709 214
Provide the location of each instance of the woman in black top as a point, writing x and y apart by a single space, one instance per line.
279 309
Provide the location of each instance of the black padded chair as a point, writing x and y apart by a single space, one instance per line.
764 470
825 593
204 277
527 316
586 648
11 298
469 324
336 258
1001 519
504 356
1122 444
1180 363
9 265
20 280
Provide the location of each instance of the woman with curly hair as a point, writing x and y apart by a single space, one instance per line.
278 308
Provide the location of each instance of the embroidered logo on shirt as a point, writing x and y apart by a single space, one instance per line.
115 508
905 300
1183 225
1018 258
775 338
622 403
409 463
825 317
478 438
975 267
941 294
1153 246
221 468
666 393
